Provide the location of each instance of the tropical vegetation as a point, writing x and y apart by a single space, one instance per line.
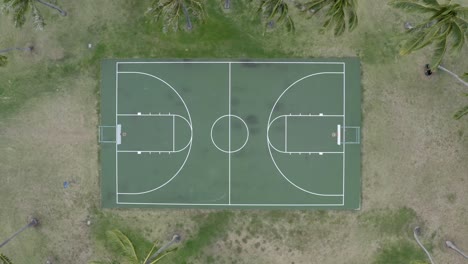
121 243
445 26
19 9
340 14
275 12
173 12
4 259
3 60
463 111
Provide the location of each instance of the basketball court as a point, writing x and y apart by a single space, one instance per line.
231 134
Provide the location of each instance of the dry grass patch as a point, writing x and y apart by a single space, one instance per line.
46 143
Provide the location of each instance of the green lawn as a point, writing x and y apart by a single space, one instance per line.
414 154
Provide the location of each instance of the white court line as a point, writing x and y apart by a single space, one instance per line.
229 151
156 115
230 62
270 146
229 147
173 133
302 115
312 152
116 153
286 133
152 151
338 134
160 115
240 62
344 130
232 204
191 132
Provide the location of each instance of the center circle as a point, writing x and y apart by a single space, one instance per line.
227 134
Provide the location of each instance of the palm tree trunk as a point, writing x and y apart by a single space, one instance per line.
453 74
450 245
175 239
184 8
15 48
415 233
62 12
33 222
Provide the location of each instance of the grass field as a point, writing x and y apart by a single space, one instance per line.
414 154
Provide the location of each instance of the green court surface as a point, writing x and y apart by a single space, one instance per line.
231 134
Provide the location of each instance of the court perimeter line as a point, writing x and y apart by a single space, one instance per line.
308 152
230 205
229 144
116 121
229 62
344 130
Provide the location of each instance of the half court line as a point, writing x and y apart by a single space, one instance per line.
229 143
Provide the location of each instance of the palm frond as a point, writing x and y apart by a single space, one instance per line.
352 15
38 21
276 10
172 12
167 252
150 252
425 37
431 2
439 52
123 243
460 113
413 6
19 12
340 14
4 259
458 37
430 35
339 20
314 6
290 24
3 60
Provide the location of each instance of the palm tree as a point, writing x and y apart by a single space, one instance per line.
463 111
32 223
4 259
451 245
416 233
4 59
446 26
19 8
128 253
171 12
340 14
227 4
276 11
454 75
